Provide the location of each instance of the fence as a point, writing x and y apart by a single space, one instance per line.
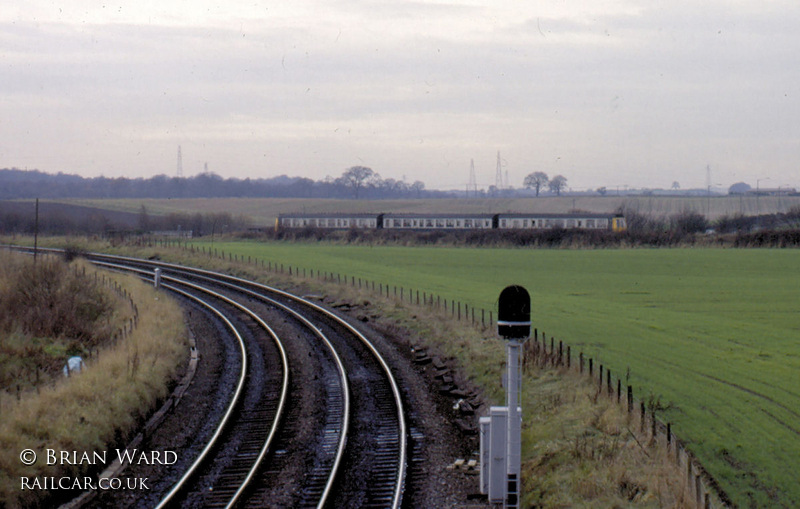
701 486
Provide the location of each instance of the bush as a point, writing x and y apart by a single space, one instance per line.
689 222
47 299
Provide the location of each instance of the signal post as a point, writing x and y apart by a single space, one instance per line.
501 465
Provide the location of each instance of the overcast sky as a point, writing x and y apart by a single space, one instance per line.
606 93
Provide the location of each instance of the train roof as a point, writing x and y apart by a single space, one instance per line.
550 215
306 215
450 215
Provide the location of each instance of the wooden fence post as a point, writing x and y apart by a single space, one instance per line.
600 386
641 418
630 399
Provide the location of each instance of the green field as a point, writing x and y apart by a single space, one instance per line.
713 333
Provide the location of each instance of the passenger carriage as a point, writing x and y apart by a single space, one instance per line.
439 221
570 221
329 221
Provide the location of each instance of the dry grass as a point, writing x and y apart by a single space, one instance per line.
97 409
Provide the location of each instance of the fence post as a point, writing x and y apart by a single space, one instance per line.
600 384
630 399
641 418
580 363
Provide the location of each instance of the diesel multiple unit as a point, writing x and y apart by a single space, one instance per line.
387 221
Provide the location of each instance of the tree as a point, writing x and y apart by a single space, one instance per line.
739 188
558 183
418 186
535 180
358 177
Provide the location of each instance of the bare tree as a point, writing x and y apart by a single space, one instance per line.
357 177
535 180
558 183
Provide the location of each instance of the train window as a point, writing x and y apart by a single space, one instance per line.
440 223
503 223
559 223
590 223
571 223
516 223
449 223
467 223
602 223
549 223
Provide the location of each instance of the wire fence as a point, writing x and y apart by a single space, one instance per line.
648 428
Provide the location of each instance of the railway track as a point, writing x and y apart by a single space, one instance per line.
334 433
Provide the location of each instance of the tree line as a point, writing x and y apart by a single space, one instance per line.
356 182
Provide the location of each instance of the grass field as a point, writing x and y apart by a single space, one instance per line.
712 334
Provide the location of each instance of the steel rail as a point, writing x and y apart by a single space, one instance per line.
344 384
231 407
401 465
284 362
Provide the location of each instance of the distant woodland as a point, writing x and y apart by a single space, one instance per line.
356 182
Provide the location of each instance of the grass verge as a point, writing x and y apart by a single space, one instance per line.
99 408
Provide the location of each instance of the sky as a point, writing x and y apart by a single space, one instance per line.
636 94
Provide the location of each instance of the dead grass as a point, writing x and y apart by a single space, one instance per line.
98 408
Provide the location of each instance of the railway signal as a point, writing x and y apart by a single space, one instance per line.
501 440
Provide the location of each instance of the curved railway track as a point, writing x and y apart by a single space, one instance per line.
272 447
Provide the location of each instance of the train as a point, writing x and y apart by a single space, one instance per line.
453 222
